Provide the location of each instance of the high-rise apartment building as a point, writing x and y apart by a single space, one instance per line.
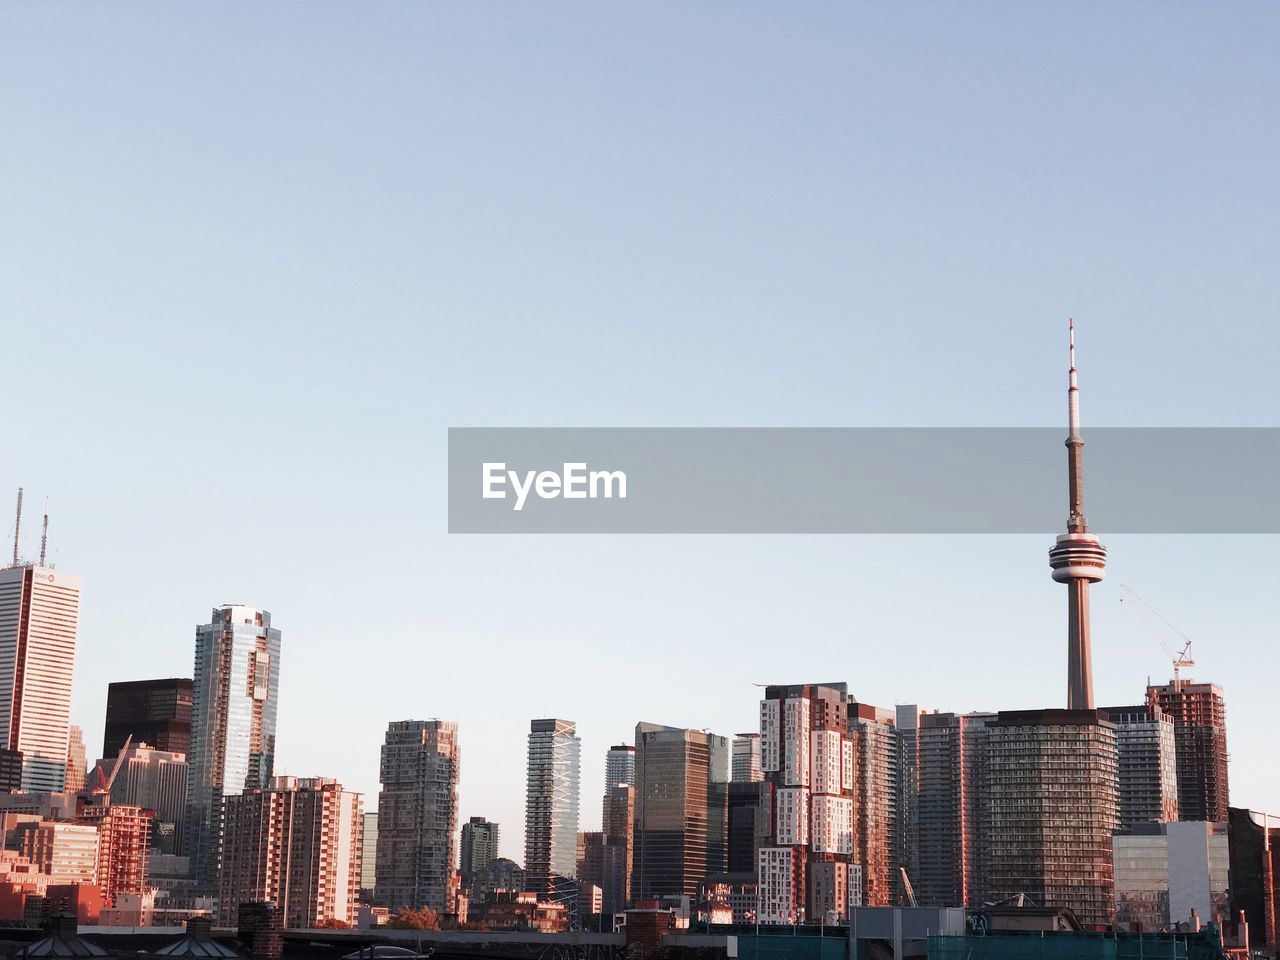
876 780
1054 806
296 843
954 806
746 759
808 762
618 818
418 815
155 712
680 809
551 804
1199 716
233 723
39 611
124 844
480 838
369 855
155 780
620 766
1148 774
906 828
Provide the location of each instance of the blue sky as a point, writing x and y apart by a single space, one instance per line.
254 261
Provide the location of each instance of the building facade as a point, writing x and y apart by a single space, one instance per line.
620 766
235 691
66 852
551 803
746 759
1148 769
680 810
1054 806
1167 872
77 761
369 855
39 614
876 781
1199 715
155 712
296 843
618 818
124 844
156 780
418 815
480 838
1253 844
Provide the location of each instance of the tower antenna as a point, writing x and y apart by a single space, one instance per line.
44 533
17 527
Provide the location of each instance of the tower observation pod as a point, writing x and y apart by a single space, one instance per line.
1077 558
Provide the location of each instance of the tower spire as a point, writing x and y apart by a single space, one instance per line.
1077 559
44 533
17 527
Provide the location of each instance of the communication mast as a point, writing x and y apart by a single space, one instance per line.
17 527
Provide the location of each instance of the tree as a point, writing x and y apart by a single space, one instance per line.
407 918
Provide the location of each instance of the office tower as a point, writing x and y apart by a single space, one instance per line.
746 759
680 810
876 780
906 827
153 779
233 723
600 866
1253 845
620 766
1200 743
77 762
1147 766
480 839
1054 805
297 844
154 712
749 825
10 770
1077 558
551 804
39 608
67 852
1165 872
618 819
418 815
369 856
953 809
124 842
808 763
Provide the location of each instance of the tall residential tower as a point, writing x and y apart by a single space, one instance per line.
551 803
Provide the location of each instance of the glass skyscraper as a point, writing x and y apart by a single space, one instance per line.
551 803
233 723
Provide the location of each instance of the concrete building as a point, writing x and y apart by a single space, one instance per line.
906 827
1167 872
124 844
480 839
876 780
680 810
1199 716
156 712
746 759
551 803
418 815
1054 806
233 723
77 761
620 766
808 760
156 780
66 852
296 843
39 612
954 806
1147 764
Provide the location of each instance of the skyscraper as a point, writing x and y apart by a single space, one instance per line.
680 813
551 803
418 815
876 780
480 839
154 712
618 818
39 609
77 761
906 827
1148 775
1054 807
746 759
1199 716
124 842
619 766
369 855
808 762
297 844
1077 558
233 723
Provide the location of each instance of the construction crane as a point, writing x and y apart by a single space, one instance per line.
906 888
1180 659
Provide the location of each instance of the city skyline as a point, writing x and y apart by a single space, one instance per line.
864 219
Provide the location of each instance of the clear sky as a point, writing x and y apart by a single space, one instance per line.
256 259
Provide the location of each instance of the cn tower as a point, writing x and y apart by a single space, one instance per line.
1077 558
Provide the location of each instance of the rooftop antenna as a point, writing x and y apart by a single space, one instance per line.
17 526
44 534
